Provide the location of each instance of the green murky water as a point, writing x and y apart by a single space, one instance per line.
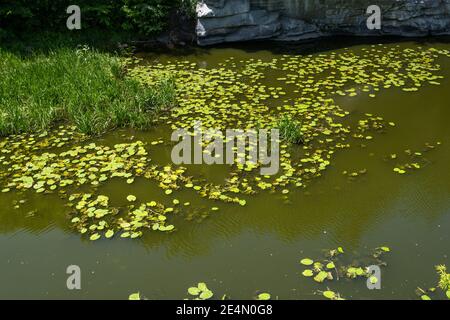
240 250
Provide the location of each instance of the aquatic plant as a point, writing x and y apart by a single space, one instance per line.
233 94
444 279
290 130
331 295
135 296
443 284
263 296
201 292
334 268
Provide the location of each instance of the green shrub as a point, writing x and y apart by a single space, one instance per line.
144 17
148 18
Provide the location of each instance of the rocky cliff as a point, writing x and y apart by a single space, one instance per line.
291 20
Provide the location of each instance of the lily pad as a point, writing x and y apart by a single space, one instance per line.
263 296
134 296
308 273
329 294
306 262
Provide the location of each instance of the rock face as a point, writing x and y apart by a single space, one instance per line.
291 20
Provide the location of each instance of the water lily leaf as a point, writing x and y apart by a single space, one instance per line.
207 294
109 234
373 280
202 286
329 294
194 291
94 237
321 276
131 198
306 262
385 249
134 296
448 294
264 296
425 297
308 273
330 265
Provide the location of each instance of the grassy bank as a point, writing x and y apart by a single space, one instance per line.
84 87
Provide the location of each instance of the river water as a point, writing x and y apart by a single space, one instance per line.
242 250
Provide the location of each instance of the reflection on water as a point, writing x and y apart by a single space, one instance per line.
239 250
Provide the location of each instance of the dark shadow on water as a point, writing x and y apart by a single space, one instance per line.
299 47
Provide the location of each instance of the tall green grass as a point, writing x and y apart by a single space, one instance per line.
290 130
84 87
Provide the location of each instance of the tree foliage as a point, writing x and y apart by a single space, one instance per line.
145 17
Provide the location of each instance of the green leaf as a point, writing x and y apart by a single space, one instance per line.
330 265
385 249
207 294
448 294
306 262
321 276
194 291
329 294
308 273
131 198
134 296
264 296
373 280
425 297
94 237
109 234
202 286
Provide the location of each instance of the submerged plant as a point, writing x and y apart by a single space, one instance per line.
290 130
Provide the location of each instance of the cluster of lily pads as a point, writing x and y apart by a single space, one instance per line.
334 268
305 90
93 215
412 160
202 292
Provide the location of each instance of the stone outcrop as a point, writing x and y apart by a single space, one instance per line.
292 20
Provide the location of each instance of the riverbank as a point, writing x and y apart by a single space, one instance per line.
82 87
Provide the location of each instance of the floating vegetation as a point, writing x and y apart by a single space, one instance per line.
92 215
331 295
233 94
336 267
200 292
412 160
443 285
134 296
263 296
